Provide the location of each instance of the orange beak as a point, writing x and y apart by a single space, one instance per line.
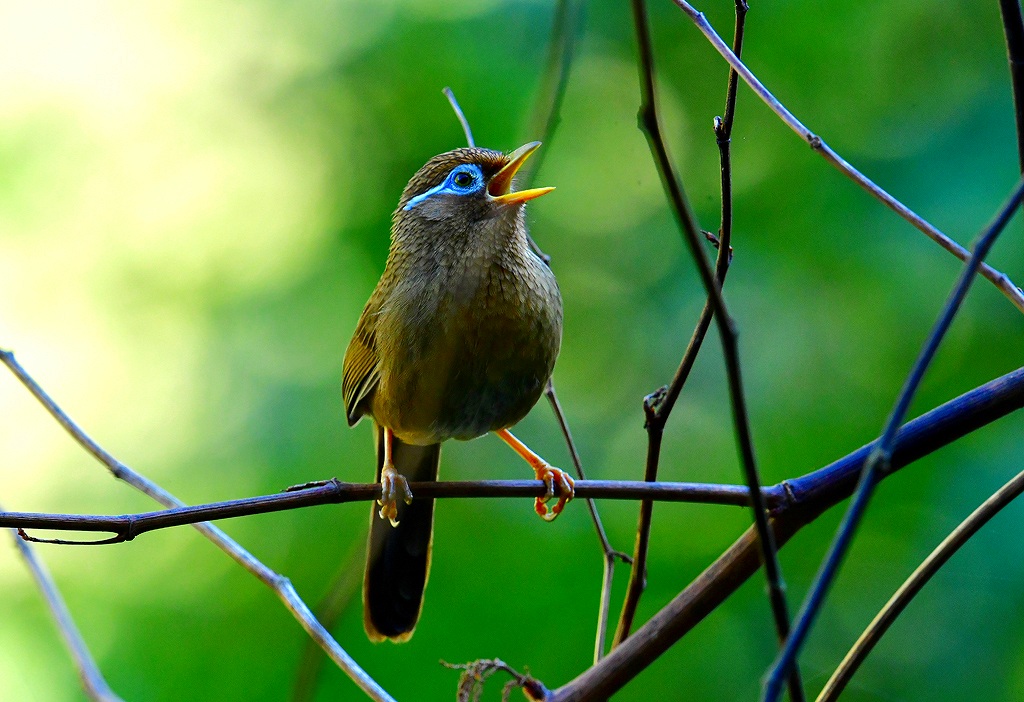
501 182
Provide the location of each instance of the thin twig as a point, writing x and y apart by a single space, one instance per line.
1000 280
128 527
448 93
544 121
917 580
474 676
878 463
610 554
93 682
810 496
796 502
1013 28
650 125
658 406
278 583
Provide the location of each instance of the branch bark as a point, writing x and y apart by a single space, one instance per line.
93 683
281 586
879 461
810 496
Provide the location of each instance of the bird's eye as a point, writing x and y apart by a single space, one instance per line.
463 179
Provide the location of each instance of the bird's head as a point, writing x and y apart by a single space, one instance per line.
467 186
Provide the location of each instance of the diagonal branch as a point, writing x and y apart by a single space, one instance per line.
658 406
650 125
93 682
917 580
281 586
879 461
1000 280
811 496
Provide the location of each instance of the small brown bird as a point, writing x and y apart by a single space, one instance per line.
458 339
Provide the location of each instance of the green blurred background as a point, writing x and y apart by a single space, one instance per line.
194 205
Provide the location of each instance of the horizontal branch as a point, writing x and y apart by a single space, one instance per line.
810 493
128 526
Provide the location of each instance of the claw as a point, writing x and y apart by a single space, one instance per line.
393 486
553 477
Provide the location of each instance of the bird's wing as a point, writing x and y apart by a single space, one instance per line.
362 364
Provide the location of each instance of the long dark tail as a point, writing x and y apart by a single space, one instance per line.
398 558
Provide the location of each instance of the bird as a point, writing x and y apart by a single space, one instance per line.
458 339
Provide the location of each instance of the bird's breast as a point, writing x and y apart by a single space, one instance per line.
467 346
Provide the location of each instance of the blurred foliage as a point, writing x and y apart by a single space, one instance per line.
194 205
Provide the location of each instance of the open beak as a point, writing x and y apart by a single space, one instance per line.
501 182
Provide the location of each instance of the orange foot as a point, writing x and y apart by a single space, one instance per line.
555 479
393 486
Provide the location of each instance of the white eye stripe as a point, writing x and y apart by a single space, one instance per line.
420 198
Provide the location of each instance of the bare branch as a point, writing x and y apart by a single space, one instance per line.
127 527
1000 280
93 682
917 580
610 554
1013 28
278 583
878 463
810 496
650 125
658 406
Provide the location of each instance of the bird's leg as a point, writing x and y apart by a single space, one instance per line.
393 484
554 478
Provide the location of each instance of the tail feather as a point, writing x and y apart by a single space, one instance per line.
398 558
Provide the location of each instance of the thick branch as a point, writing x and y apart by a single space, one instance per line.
811 495
878 463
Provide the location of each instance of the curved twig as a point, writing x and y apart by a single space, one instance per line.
917 580
450 94
651 126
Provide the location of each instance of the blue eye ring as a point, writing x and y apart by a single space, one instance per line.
464 179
